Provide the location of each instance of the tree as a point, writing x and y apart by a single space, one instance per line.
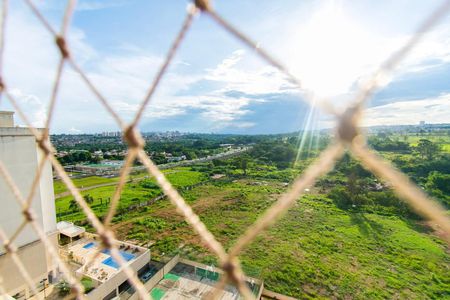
63 288
427 149
95 159
89 199
244 163
340 197
73 205
438 184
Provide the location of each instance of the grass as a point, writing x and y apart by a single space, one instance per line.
333 253
134 192
442 140
87 283
446 147
59 187
315 251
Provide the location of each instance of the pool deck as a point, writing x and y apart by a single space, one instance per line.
97 270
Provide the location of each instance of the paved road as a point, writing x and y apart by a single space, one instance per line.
164 166
183 163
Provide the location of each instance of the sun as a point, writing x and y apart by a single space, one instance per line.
331 51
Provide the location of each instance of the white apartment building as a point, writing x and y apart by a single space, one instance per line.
21 156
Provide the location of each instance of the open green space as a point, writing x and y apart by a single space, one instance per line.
442 140
59 186
349 237
136 191
316 250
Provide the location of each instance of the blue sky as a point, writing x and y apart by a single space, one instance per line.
217 84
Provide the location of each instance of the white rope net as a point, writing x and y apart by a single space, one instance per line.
348 137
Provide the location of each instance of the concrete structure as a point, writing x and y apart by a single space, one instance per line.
6 119
69 230
192 280
179 278
21 156
105 274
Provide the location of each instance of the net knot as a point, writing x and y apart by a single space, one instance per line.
203 5
44 144
62 45
347 128
8 247
133 138
107 238
230 267
2 84
74 290
28 215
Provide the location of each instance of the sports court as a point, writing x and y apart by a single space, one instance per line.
190 282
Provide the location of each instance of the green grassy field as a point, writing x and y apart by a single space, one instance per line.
446 147
133 193
315 251
442 140
60 187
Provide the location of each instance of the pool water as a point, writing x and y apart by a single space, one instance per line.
89 245
112 263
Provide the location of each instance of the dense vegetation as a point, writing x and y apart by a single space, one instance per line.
80 148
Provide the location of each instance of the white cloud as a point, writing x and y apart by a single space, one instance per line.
330 51
213 105
123 78
243 124
431 110
334 48
75 130
214 108
95 5
32 106
82 5
261 79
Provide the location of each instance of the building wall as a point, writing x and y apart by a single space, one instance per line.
6 119
47 195
20 156
33 257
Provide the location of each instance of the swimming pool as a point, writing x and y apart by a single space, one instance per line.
112 263
89 245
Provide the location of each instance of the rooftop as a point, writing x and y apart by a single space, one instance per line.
103 265
187 281
69 229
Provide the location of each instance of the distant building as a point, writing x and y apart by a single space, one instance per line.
176 158
422 123
62 154
226 146
21 156
98 154
111 133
